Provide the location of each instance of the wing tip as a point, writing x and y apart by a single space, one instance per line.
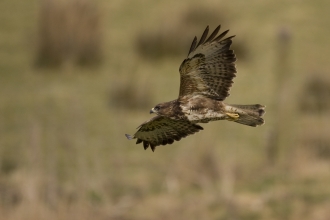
214 33
211 38
147 144
193 45
198 127
129 137
203 37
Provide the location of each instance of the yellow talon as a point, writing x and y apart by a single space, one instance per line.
232 116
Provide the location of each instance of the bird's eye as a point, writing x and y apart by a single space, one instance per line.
157 108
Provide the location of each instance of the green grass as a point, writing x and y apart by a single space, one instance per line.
63 153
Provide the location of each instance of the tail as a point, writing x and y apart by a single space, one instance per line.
246 114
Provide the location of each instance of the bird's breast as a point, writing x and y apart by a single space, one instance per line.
202 109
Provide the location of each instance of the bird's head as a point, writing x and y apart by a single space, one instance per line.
161 109
156 109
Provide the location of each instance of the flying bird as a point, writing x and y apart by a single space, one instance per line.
205 79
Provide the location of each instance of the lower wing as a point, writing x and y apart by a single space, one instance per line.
162 130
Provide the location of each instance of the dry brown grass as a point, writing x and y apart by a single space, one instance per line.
315 95
69 31
173 38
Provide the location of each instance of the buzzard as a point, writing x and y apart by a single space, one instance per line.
205 79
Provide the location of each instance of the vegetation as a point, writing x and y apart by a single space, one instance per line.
63 153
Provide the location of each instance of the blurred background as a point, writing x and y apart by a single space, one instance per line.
76 75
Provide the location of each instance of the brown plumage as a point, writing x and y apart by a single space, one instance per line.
205 79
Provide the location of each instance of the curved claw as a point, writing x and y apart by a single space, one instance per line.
232 116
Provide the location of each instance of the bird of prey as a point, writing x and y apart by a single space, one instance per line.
205 79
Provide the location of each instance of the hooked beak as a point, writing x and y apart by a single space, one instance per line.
152 111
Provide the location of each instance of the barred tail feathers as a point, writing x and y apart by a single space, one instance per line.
250 115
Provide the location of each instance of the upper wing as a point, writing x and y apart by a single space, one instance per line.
209 68
161 131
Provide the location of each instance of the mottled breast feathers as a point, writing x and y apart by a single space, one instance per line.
209 68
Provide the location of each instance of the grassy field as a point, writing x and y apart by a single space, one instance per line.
63 153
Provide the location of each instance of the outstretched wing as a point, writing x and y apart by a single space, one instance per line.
161 131
209 68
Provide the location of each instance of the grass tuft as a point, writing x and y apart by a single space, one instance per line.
69 31
315 95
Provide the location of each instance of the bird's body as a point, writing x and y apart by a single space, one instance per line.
205 79
196 109
199 109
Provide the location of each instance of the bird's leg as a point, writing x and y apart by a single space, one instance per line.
232 116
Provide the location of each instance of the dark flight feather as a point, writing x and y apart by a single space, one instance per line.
193 45
221 36
203 36
214 33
